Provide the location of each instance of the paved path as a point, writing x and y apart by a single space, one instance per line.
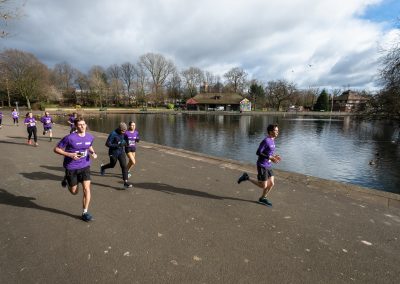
186 221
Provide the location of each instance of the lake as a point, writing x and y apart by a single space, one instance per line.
340 148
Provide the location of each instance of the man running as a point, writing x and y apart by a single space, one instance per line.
116 143
76 148
71 121
266 156
47 121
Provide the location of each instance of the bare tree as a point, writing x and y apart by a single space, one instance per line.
63 77
192 77
98 84
82 82
26 74
174 87
236 78
128 76
209 81
9 10
279 92
159 68
114 75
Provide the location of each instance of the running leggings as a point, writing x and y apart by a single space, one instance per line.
122 162
15 120
32 130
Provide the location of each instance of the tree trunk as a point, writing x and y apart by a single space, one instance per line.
28 103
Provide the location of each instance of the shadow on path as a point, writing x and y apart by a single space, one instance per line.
14 143
169 189
27 202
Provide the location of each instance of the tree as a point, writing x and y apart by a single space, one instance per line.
279 93
115 83
9 10
193 78
26 75
236 78
82 82
128 76
159 68
98 84
257 94
63 77
387 102
322 102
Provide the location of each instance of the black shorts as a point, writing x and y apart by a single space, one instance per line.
130 150
77 176
264 174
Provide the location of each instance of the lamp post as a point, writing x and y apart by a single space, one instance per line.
16 106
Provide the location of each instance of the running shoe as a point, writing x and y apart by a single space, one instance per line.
64 183
30 142
36 144
265 201
243 177
86 217
44 132
129 175
127 185
51 139
102 171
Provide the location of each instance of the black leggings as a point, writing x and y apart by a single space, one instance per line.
15 120
32 130
122 162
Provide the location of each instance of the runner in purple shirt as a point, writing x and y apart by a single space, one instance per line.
47 121
15 115
30 123
131 138
71 121
76 149
1 119
266 156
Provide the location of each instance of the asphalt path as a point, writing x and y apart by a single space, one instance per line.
185 221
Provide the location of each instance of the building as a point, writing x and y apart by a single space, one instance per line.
215 101
349 101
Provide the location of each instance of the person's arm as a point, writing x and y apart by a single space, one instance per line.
111 141
92 152
62 152
260 150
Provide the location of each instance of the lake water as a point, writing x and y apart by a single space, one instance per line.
340 148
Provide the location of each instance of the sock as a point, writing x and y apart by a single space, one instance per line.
84 211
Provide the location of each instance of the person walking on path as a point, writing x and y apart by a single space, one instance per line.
71 121
30 122
266 156
76 149
47 121
15 116
1 119
131 138
116 143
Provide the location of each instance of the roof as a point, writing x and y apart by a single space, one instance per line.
218 98
350 96
191 101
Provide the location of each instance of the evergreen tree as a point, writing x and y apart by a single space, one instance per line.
322 102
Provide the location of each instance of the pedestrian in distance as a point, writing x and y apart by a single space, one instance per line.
15 116
1 119
30 123
71 121
116 143
47 121
131 138
77 148
266 156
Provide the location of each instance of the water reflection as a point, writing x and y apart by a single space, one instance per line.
339 148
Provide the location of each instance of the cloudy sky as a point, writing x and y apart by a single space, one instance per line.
324 43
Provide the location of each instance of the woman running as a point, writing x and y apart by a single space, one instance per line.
15 115
131 138
47 121
30 122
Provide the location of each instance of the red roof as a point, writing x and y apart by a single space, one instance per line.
191 101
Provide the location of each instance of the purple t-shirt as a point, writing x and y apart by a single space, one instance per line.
130 138
14 114
73 143
31 121
47 121
267 148
72 121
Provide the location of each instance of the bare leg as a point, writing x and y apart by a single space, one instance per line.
132 160
86 194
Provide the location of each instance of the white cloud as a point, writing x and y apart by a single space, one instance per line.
269 39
